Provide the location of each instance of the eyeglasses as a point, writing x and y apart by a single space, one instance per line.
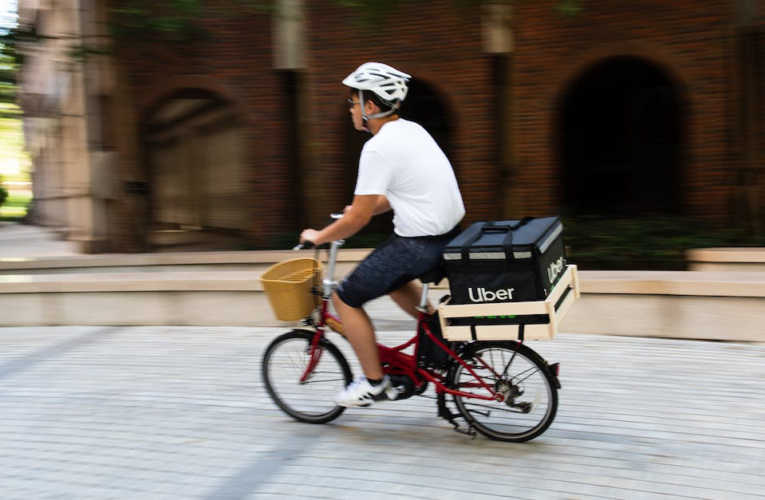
352 102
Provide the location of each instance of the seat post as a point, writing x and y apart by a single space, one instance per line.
329 278
424 298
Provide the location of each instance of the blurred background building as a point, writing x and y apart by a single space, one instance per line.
227 127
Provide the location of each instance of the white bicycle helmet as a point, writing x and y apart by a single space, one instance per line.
388 83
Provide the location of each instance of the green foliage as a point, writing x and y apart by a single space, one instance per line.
16 205
175 21
11 39
13 204
370 11
7 96
569 8
11 130
17 200
142 20
7 75
652 242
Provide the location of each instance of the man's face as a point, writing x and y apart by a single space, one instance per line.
355 109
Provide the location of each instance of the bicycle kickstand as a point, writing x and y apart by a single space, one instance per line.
447 415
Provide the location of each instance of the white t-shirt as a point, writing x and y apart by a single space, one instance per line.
403 162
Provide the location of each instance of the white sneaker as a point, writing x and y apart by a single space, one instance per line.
361 393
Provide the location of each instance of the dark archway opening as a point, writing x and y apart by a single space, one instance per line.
194 147
620 140
423 105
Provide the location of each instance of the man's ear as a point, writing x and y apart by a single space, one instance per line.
371 108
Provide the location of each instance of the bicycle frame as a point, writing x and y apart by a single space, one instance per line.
396 360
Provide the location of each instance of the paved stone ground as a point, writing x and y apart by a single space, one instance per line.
181 413
178 412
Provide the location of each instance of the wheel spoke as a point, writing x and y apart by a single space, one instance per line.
535 370
311 399
529 399
507 366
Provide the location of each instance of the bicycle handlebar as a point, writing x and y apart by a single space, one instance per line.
307 245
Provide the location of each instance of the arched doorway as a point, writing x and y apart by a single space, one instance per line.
423 105
195 155
620 140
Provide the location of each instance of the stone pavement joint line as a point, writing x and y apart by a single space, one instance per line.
29 360
181 413
250 477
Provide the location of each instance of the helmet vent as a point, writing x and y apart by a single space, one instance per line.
385 81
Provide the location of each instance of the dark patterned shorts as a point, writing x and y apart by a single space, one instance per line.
392 265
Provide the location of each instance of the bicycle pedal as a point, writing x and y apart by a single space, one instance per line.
383 396
394 392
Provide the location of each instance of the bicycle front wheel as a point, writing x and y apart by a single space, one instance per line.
520 375
306 397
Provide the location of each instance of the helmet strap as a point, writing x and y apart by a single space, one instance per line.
365 117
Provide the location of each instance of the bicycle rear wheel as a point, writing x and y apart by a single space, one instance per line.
284 365
521 376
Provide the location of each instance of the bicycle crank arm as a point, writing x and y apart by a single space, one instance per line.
391 394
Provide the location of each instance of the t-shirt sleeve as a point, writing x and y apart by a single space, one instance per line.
374 174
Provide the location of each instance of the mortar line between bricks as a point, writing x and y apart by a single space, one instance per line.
259 470
47 353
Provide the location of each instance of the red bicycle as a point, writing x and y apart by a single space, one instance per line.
503 390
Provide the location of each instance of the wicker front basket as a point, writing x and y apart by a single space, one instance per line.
288 286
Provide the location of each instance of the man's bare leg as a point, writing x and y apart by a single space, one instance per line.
408 298
358 329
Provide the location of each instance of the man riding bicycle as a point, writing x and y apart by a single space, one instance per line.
401 168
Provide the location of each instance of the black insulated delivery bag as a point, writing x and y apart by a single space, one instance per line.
505 261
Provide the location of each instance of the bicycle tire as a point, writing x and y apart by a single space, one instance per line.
311 407
515 424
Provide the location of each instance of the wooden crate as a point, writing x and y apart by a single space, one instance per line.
568 286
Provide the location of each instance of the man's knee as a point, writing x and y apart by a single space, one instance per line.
337 301
340 303
341 300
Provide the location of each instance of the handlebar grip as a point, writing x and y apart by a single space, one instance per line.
307 245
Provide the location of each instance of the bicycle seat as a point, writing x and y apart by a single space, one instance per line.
434 276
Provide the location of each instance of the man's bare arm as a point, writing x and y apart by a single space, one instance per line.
353 221
382 205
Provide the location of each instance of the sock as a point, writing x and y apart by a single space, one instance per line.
374 383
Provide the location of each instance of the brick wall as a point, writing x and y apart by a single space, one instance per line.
441 45
236 63
432 41
690 41
760 121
